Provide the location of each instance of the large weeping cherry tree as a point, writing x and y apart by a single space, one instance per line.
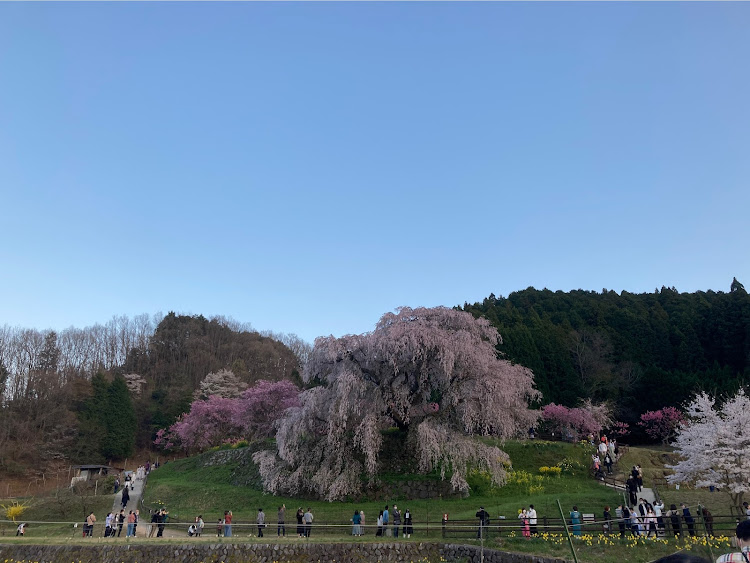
435 374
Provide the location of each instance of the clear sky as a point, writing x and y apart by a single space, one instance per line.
308 167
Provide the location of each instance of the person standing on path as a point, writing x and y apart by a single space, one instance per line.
524 517
396 521
674 518
281 528
227 523
109 525
632 486
90 521
484 519
261 520
152 526
635 526
163 516
386 520
408 530
607 521
362 522
708 518
120 521
200 526
689 520
611 450
532 520
355 520
131 519
620 514
651 524
575 520
300 522
658 510
308 522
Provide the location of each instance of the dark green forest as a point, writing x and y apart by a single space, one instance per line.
640 351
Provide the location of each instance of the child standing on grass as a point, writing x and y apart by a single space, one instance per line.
524 517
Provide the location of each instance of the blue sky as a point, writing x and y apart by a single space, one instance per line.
308 167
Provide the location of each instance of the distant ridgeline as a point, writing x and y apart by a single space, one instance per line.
641 351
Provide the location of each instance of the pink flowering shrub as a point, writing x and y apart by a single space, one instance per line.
619 429
218 420
578 421
662 424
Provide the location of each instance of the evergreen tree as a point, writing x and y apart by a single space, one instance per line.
92 431
119 421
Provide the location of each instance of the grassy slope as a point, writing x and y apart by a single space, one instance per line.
188 490
653 461
51 508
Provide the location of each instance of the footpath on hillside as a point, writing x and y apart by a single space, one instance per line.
135 490
645 492
134 502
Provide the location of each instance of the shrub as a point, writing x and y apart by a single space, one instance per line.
530 484
14 511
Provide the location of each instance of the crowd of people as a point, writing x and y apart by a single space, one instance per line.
644 518
389 523
604 457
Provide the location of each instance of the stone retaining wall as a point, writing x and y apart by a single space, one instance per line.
260 553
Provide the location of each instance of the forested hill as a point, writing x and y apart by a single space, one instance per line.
91 395
642 351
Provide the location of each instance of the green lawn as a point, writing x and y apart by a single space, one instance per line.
187 488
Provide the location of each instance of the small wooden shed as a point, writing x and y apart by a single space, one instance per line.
91 472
